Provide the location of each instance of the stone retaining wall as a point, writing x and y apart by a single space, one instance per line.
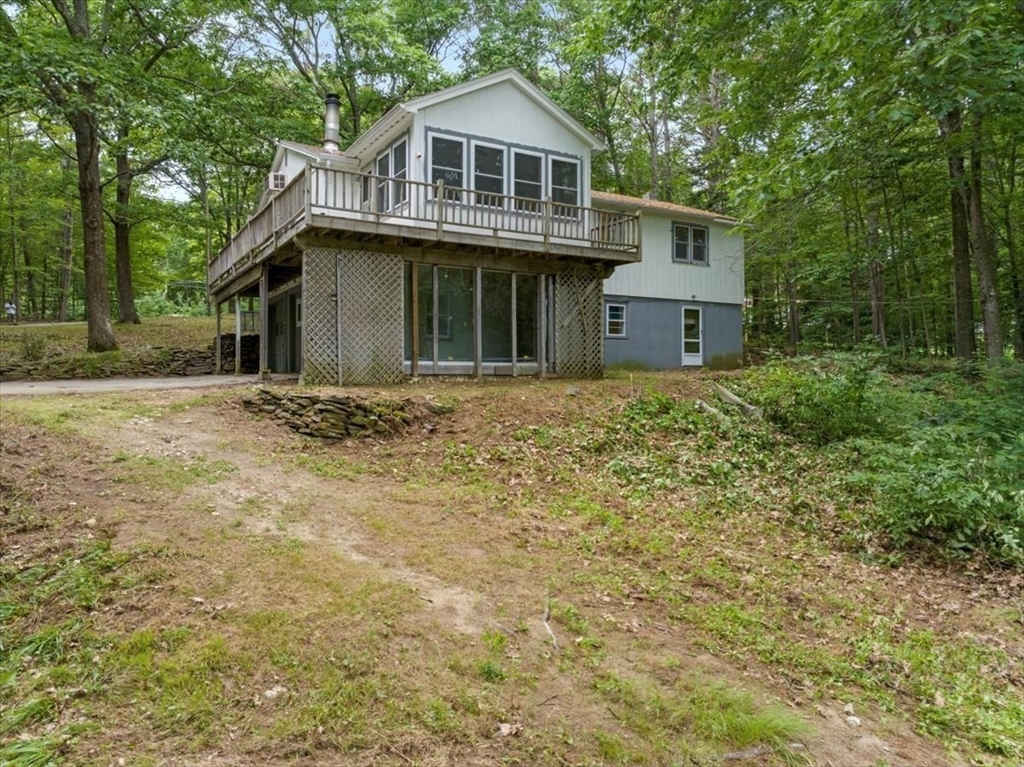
340 416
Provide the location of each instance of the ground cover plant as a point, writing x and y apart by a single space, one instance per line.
595 573
63 344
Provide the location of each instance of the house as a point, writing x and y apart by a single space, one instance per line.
682 305
458 235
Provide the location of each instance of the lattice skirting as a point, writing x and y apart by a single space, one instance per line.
579 340
372 323
353 324
320 320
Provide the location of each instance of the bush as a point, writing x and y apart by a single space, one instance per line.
820 401
33 346
957 477
158 305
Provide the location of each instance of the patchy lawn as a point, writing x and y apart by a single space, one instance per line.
555 573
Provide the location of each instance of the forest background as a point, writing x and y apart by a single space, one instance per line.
870 148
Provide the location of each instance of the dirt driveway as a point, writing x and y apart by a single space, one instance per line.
372 602
99 385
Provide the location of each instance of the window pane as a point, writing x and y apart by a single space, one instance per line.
489 184
526 317
401 160
489 161
455 314
528 168
682 251
446 153
566 196
700 236
497 319
564 174
700 254
532 191
383 165
425 289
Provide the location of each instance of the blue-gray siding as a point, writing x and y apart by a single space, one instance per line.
654 334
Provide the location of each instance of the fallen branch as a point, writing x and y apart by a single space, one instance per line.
704 407
728 397
547 615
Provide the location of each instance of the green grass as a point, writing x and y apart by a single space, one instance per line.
158 473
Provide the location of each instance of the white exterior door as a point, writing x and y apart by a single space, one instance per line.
693 336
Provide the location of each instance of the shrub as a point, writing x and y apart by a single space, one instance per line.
158 305
33 346
820 401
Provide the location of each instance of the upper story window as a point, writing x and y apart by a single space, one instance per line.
488 173
528 178
391 169
565 185
495 171
689 244
447 163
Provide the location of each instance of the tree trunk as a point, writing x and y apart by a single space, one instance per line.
793 313
90 192
31 299
963 292
876 280
126 313
983 257
66 242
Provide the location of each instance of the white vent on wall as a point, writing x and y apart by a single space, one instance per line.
276 182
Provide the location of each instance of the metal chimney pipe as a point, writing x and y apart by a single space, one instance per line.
332 122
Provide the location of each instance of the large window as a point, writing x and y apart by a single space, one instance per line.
565 185
528 180
447 163
615 320
690 244
488 174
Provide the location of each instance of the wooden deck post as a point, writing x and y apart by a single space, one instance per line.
547 223
478 324
414 286
217 354
515 333
542 326
265 322
238 334
439 200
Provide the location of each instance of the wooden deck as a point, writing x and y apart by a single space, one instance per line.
325 200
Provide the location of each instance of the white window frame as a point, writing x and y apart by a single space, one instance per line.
689 259
512 176
403 189
579 180
431 135
608 320
506 152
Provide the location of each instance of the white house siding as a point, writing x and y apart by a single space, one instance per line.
658 276
505 115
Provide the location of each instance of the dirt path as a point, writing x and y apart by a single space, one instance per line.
467 568
99 385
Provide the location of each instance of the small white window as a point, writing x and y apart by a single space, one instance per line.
690 244
615 320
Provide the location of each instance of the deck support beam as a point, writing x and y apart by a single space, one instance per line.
217 352
478 323
238 334
265 322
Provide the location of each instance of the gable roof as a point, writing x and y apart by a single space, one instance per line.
659 205
399 116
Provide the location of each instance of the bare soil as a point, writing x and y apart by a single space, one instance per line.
477 554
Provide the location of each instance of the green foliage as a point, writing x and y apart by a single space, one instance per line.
33 346
818 400
957 477
158 305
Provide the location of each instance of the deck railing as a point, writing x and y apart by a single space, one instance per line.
432 211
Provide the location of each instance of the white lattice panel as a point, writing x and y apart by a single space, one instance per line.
579 341
372 323
320 321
